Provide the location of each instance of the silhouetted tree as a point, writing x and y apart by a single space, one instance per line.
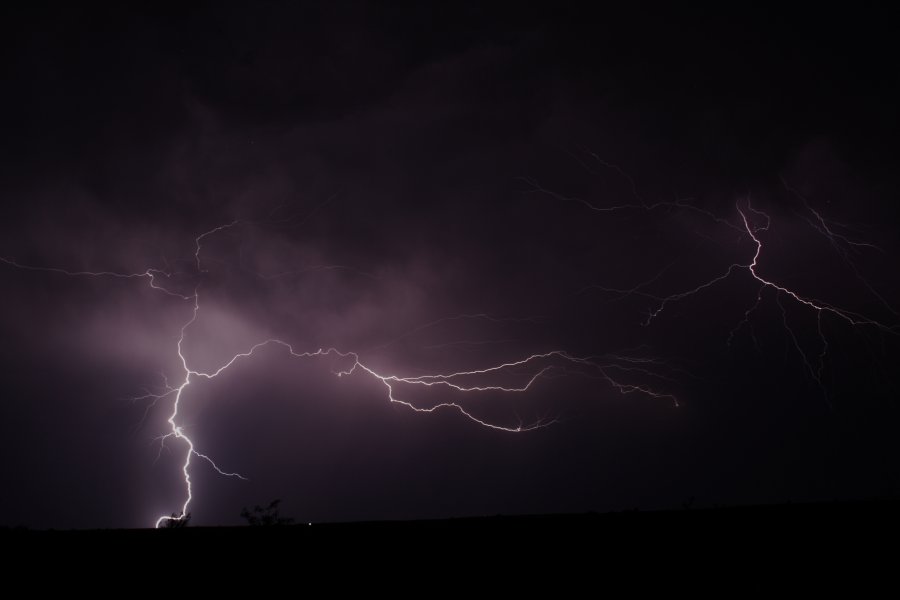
265 516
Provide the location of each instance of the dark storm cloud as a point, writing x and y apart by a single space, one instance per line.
377 164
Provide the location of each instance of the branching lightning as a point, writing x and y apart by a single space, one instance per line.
545 365
752 223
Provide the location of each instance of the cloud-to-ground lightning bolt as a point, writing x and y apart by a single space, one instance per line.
539 365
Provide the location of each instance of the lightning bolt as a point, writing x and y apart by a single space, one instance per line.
752 223
752 267
547 365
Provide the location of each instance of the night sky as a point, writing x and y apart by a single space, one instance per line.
443 190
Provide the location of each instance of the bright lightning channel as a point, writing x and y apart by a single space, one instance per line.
451 380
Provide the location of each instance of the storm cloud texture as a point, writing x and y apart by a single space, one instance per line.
420 185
